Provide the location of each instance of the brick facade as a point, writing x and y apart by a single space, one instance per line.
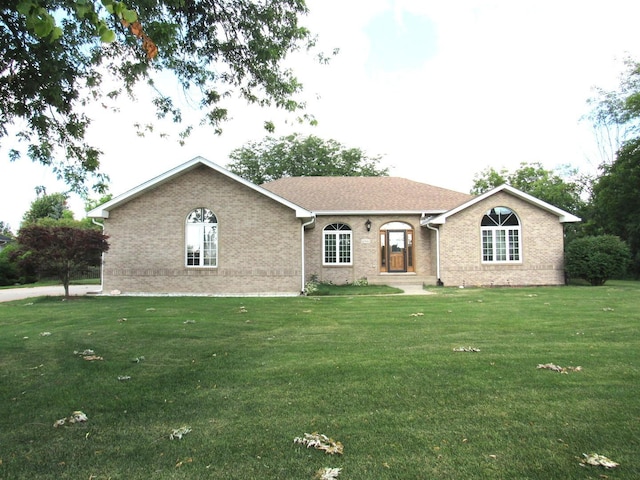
542 247
259 240
366 251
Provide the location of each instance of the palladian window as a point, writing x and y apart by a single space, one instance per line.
201 238
336 244
500 236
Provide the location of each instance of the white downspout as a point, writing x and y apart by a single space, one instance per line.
95 222
313 219
437 230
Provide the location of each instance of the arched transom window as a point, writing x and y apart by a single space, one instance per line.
337 244
201 238
500 229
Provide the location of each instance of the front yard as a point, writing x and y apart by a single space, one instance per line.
434 386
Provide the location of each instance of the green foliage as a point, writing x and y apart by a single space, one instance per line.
5 229
615 200
52 206
561 190
9 274
60 249
597 259
301 156
54 55
615 114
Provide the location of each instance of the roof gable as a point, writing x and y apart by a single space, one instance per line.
326 195
563 216
103 210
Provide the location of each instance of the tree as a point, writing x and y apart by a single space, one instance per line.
615 114
5 229
563 191
55 54
596 259
615 200
61 250
53 206
301 156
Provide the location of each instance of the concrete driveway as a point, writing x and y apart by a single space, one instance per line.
9 294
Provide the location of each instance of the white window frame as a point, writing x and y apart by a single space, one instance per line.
501 243
198 231
339 233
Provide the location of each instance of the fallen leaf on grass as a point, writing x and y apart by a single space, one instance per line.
92 358
75 417
466 349
88 355
88 351
179 433
320 442
597 460
558 368
327 473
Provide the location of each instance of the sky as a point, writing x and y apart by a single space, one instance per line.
440 90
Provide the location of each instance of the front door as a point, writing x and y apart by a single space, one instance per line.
397 241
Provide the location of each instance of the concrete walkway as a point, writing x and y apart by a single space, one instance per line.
410 289
10 294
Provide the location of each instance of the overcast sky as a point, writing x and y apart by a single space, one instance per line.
441 90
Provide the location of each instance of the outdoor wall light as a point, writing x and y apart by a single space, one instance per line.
368 225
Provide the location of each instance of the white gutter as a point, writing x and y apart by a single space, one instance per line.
313 219
101 225
437 230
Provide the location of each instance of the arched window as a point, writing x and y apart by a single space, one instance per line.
336 244
201 238
500 229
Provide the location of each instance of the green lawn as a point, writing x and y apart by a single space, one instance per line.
377 373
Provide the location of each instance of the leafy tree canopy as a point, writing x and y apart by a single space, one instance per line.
564 191
301 156
51 206
615 200
5 229
55 54
615 114
60 249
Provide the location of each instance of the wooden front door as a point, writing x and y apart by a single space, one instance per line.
397 251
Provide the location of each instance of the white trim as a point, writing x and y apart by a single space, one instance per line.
336 234
563 216
494 250
103 210
325 213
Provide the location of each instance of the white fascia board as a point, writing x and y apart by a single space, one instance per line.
103 210
377 212
563 216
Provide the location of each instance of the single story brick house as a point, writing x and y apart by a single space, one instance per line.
200 229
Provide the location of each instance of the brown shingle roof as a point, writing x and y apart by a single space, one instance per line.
356 194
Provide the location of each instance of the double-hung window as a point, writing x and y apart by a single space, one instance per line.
501 240
337 245
201 238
